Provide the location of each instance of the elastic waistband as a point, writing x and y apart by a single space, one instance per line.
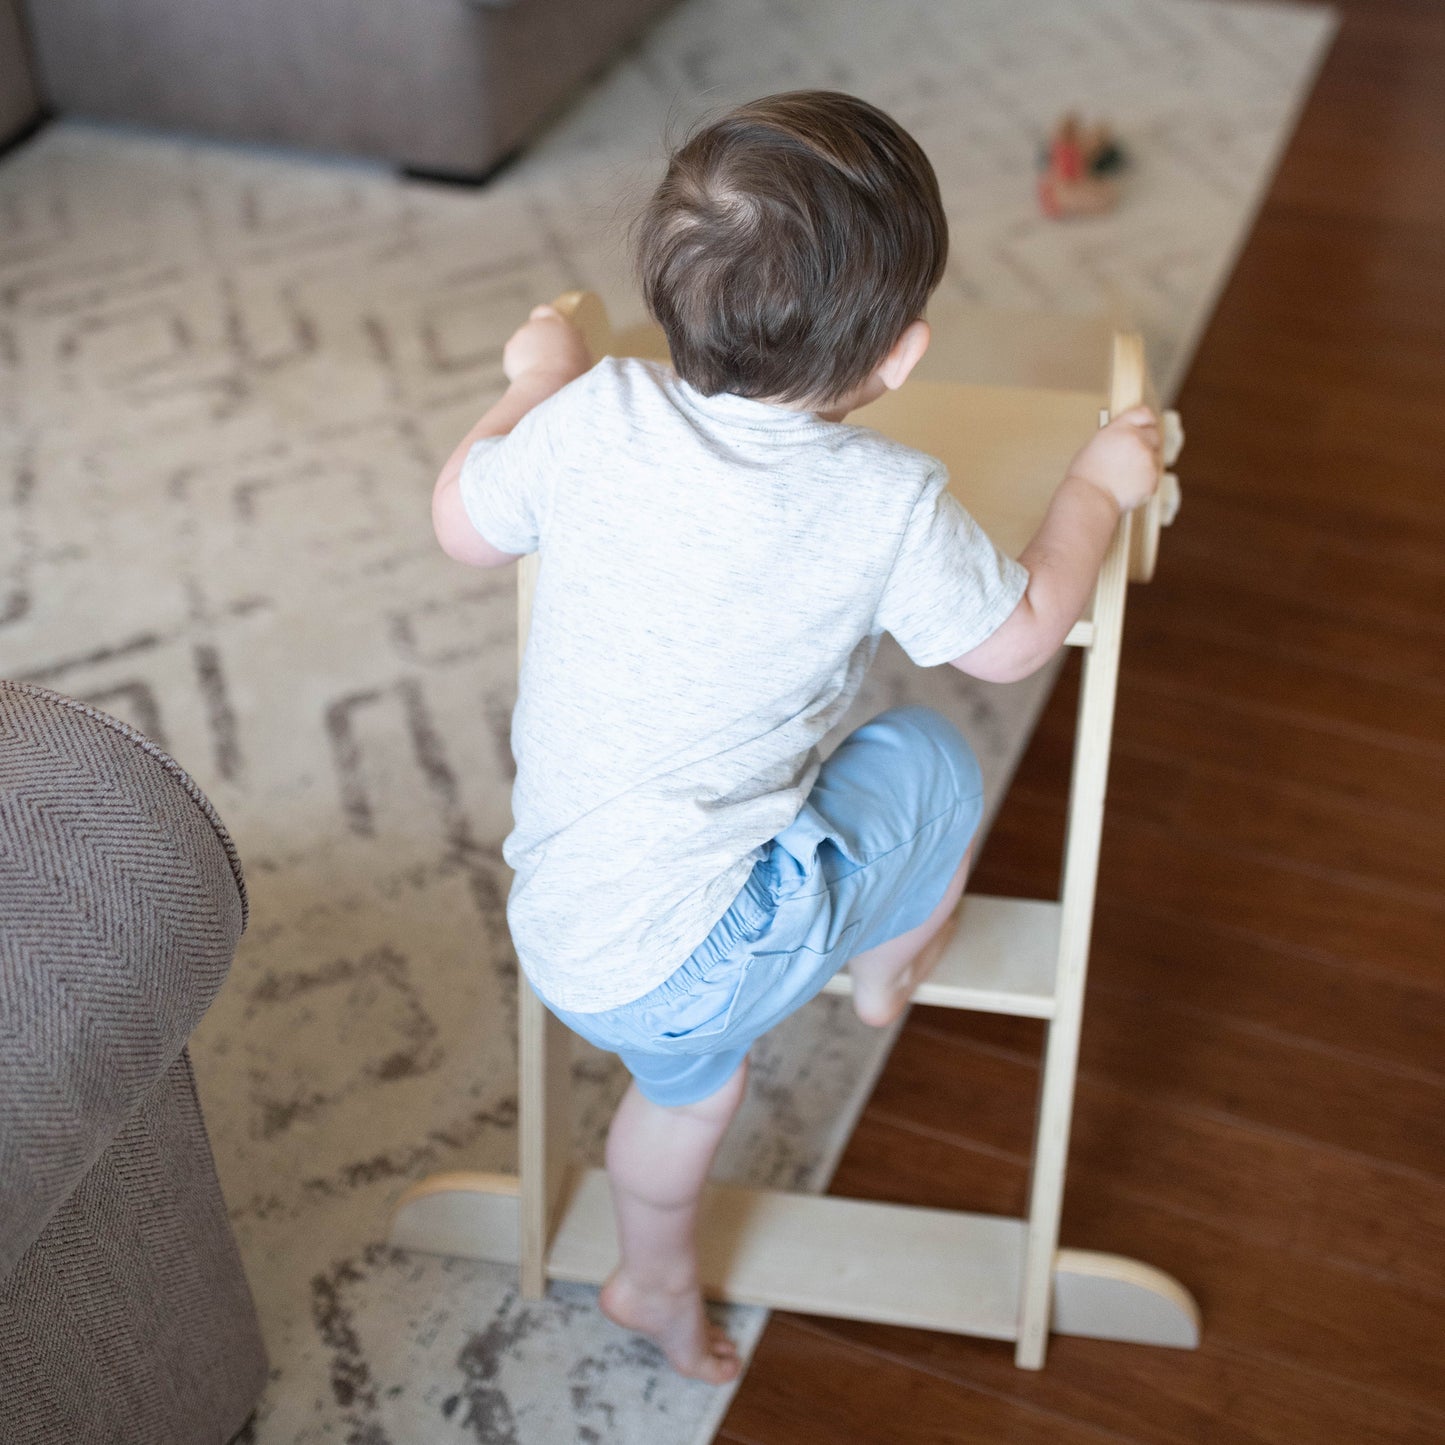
746 918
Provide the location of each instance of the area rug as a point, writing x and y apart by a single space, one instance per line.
227 379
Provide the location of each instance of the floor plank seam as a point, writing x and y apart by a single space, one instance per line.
1305 953
1120 819
1134 676
816 1325
1202 546
1185 626
1249 1126
1259 1239
1405 1402
1127 747
1271 1034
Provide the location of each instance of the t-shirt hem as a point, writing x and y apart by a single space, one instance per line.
586 1001
983 627
472 490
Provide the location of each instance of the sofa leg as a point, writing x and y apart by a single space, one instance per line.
469 179
28 131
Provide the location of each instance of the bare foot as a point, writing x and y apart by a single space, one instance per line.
676 1322
879 1003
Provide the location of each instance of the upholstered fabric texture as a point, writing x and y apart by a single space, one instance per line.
128 1321
124 1312
436 84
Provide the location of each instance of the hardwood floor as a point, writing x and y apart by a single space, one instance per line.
1261 1103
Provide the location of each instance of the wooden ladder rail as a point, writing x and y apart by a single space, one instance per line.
544 1104
1093 736
544 1048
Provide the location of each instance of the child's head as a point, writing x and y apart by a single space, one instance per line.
790 245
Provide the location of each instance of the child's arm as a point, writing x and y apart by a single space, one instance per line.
1116 471
542 356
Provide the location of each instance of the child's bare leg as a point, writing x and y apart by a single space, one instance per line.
657 1163
885 977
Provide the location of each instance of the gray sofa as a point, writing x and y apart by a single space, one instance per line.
125 1318
442 87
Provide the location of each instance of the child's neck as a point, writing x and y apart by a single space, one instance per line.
861 395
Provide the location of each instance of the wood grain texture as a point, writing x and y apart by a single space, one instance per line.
1259 1102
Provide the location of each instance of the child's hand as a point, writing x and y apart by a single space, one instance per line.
1123 458
546 346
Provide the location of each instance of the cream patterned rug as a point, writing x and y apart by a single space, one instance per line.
227 379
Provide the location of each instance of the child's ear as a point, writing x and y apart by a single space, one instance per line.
905 354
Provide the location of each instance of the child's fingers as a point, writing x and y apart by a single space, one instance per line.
544 309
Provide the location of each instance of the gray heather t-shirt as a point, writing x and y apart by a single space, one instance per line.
715 574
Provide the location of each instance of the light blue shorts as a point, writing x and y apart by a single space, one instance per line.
869 857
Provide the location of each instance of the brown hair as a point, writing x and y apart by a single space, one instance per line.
789 245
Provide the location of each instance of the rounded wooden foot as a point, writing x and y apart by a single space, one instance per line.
1109 1297
469 1215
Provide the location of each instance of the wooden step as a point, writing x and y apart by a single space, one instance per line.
1002 960
929 1268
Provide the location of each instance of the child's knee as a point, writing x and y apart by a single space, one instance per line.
939 739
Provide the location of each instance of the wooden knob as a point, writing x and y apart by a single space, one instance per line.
1128 387
1173 437
1169 499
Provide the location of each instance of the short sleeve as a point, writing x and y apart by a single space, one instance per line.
506 481
950 587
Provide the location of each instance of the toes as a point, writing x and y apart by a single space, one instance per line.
714 1368
722 1363
721 1342
721 1372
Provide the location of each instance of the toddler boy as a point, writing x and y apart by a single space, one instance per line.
720 553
